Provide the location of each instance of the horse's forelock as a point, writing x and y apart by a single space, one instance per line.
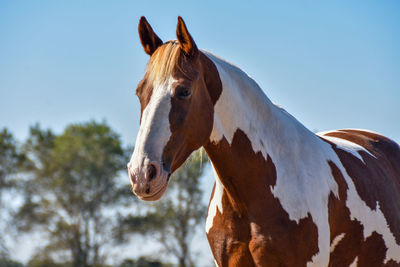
162 63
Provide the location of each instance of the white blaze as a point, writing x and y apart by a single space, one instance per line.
154 131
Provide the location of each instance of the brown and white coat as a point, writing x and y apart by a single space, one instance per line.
283 196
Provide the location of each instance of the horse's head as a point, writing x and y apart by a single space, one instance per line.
177 97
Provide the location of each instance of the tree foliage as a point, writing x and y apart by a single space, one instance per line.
174 218
142 262
9 263
71 194
72 189
11 159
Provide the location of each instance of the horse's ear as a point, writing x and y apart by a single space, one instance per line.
185 40
150 41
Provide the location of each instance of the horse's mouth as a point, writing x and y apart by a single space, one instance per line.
157 195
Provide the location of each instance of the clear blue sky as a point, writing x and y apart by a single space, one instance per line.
331 64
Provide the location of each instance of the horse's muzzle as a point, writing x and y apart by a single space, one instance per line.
149 181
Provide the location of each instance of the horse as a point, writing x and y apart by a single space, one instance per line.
283 195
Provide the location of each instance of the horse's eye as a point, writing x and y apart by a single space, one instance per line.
183 92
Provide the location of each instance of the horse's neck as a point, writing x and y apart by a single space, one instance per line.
244 106
244 116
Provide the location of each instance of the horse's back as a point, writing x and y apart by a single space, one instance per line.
377 152
382 149
373 163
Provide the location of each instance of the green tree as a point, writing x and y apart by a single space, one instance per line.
73 190
142 262
37 262
11 162
10 263
174 218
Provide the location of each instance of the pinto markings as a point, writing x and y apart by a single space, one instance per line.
239 90
354 263
283 195
336 241
348 146
299 149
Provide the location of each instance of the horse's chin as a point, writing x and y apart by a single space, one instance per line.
157 195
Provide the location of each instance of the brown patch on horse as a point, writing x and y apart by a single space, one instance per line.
391 263
339 220
378 180
229 238
370 251
253 219
191 120
373 251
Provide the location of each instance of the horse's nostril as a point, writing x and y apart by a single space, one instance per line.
152 171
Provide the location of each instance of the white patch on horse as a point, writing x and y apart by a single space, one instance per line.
154 131
354 263
304 177
215 203
347 146
336 241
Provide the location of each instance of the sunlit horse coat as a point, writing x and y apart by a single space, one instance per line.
283 196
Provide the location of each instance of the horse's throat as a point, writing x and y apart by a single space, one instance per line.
245 175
